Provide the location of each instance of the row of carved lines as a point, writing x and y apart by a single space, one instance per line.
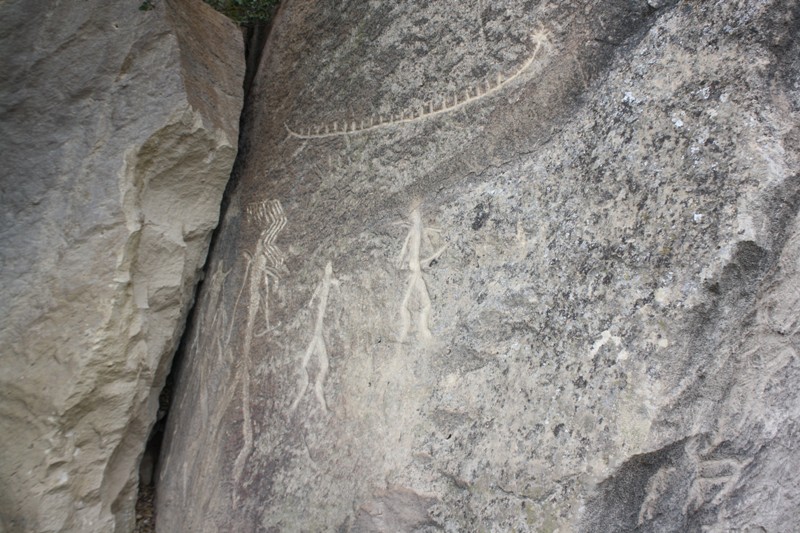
379 121
404 116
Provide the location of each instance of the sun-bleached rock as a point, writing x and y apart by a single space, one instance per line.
118 131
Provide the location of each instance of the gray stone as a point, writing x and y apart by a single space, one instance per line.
118 130
564 299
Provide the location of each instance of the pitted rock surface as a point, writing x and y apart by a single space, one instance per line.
503 266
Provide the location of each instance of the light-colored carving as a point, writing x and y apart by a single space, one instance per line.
449 102
714 478
215 288
265 263
410 256
317 345
247 431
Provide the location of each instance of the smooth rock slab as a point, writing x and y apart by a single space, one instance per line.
504 266
118 131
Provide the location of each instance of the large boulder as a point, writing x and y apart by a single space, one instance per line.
118 131
504 266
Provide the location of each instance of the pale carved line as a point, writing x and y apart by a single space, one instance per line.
266 262
410 253
714 479
430 109
247 431
317 345
239 296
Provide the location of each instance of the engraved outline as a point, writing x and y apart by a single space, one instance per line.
317 345
449 103
267 262
410 252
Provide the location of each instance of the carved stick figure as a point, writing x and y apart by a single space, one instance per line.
410 253
317 345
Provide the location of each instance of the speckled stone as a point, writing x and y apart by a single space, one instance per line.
503 266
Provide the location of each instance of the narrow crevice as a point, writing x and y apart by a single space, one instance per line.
255 39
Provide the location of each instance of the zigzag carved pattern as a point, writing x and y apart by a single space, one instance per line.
270 216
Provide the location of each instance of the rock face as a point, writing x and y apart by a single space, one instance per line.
119 130
504 266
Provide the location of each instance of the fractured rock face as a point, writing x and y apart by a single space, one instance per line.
119 130
503 266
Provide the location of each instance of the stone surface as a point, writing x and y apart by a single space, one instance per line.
562 300
118 130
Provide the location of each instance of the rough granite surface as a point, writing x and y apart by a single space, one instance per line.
503 266
118 131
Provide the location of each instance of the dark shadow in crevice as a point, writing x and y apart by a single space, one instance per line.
255 39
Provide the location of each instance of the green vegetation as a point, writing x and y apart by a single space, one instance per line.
245 11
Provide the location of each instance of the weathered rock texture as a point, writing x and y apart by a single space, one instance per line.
118 130
504 266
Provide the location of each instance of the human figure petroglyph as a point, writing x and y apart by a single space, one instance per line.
247 431
410 256
432 108
317 345
266 263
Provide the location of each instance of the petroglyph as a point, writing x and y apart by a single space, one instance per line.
410 254
433 108
317 345
270 216
715 477
247 431
215 288
265 263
